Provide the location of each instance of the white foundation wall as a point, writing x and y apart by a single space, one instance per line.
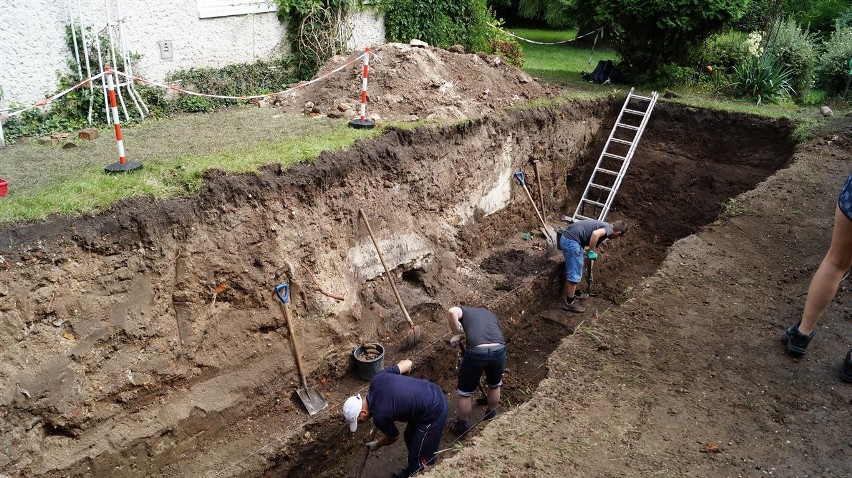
33 45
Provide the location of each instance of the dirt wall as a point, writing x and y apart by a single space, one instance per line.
129 334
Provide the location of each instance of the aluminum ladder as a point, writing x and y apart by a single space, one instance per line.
615 157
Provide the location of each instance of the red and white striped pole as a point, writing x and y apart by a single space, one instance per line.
362 121
122 165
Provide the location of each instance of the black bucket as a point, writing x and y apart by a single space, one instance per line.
368 368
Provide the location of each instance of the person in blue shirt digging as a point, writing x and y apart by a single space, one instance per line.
395 397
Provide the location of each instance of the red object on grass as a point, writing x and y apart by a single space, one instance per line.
4 187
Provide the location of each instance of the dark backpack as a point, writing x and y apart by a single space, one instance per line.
605 71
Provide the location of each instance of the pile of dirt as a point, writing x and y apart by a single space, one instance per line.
408 83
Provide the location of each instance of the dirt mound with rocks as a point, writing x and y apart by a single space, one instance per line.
408 83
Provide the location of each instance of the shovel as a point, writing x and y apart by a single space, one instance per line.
549 232
310 396
413 335
589 277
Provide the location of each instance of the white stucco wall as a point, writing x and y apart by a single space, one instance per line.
367 29
33 47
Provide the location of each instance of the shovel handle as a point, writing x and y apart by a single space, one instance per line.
387 271
520 177
285 300
540 194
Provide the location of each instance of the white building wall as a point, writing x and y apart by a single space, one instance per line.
367 29
33 46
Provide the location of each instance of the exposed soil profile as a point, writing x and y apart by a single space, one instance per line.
148 341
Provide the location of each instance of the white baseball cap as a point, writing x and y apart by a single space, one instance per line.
351 410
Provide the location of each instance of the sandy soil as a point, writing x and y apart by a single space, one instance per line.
148 341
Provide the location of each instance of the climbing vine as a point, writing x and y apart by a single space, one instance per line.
316 31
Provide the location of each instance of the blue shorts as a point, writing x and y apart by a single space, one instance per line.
572 251
476 361
845 200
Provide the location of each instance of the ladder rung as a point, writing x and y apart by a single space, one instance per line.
614 156
645 98
634 128
615 173
640 113
621 141
605 188
593 202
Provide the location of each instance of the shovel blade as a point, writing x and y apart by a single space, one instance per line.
312 400
550 239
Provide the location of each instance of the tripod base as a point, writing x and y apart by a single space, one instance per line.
123 168
362 123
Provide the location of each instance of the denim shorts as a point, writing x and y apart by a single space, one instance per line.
844 202
475 361
572 251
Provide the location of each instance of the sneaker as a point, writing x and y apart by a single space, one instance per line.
581 295
490 415
459 427
846 371
573 306
797 343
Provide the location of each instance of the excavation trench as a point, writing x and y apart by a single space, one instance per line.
180 361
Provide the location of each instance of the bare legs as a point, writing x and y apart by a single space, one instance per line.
826 280
465 406
493 398
570 289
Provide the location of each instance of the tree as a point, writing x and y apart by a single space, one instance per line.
648 34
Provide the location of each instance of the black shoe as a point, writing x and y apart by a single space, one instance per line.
459 427
573 306
797 343
846 371
490 415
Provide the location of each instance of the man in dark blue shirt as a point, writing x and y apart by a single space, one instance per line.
395 397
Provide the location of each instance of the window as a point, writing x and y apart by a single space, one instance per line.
224 8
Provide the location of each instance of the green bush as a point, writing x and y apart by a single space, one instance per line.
844 20
671 74
233 80
500 43
724 51
833 68
763 78
438 22
797 49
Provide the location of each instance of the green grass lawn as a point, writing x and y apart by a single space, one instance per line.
174 151
563 62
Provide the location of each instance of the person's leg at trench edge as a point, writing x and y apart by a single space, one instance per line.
424 443
826 280
572 252
469 372
494 378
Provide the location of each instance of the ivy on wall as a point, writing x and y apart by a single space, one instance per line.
438 22
316 31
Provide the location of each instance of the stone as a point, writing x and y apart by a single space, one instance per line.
826 111
418 43
88 134
456 49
